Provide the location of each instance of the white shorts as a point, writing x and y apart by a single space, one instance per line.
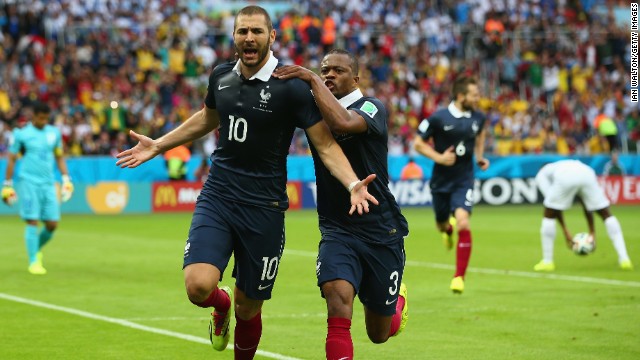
583 183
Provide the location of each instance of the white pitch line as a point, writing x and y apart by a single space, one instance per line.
583 279
130 324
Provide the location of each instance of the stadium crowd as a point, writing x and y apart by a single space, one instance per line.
553 73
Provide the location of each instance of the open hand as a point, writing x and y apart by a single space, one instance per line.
293 71
360 196
145 149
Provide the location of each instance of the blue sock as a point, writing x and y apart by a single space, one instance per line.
32 241
45 236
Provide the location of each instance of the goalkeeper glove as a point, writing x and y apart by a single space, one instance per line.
9 195
67 188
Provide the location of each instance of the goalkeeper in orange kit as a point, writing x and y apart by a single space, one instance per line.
41 146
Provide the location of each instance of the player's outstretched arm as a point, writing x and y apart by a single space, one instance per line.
334 159
198 125
339 119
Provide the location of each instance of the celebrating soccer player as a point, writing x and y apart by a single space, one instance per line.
363 255
241 207
40 145
457 133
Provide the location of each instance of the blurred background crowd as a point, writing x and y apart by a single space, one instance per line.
554 74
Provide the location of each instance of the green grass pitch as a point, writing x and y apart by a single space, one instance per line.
115 291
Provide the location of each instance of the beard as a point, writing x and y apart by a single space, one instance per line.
262 53
467 106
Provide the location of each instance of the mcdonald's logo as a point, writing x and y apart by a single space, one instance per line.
165 196
294 192
175 196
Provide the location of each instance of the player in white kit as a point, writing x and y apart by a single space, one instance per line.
559 183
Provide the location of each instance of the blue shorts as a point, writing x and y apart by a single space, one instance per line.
254 235
445 204
374 270
38 201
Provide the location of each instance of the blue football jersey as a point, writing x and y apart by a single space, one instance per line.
460 132
37 147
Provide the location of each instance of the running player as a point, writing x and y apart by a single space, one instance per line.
457 133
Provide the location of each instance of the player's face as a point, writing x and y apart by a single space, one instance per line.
471 98
253 40
335 71
40 120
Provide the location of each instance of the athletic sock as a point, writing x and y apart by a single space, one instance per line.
463 252
247 337
397 317
614 230
32 242
218 299
44 237
339 344
548 237
449 229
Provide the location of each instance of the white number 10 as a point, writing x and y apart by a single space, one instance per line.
234 130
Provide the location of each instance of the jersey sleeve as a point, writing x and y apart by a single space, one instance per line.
427 127
210 99
375 114
16 142
305 110
57 147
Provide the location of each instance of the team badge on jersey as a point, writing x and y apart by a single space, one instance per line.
369 108
264 97
474 127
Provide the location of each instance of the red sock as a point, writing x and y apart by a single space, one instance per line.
218 299
397 318
464 252
247 337
339 344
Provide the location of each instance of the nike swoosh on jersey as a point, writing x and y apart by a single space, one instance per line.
220 87
260 287
447 127
391 302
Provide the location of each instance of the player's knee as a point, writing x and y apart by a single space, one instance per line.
197 291
378 336
462 224
51 227
247 309
339 301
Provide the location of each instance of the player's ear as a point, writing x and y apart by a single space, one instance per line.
272 37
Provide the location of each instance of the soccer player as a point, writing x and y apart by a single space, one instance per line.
357 255
40 145
559 182
457 133
241 207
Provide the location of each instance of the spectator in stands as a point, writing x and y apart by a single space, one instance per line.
613 167
411 171
177 159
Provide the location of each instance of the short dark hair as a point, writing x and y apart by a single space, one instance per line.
461 85
40 108
254 10
354 62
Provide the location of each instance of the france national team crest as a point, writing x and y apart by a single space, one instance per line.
264 97
474 127
369 108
